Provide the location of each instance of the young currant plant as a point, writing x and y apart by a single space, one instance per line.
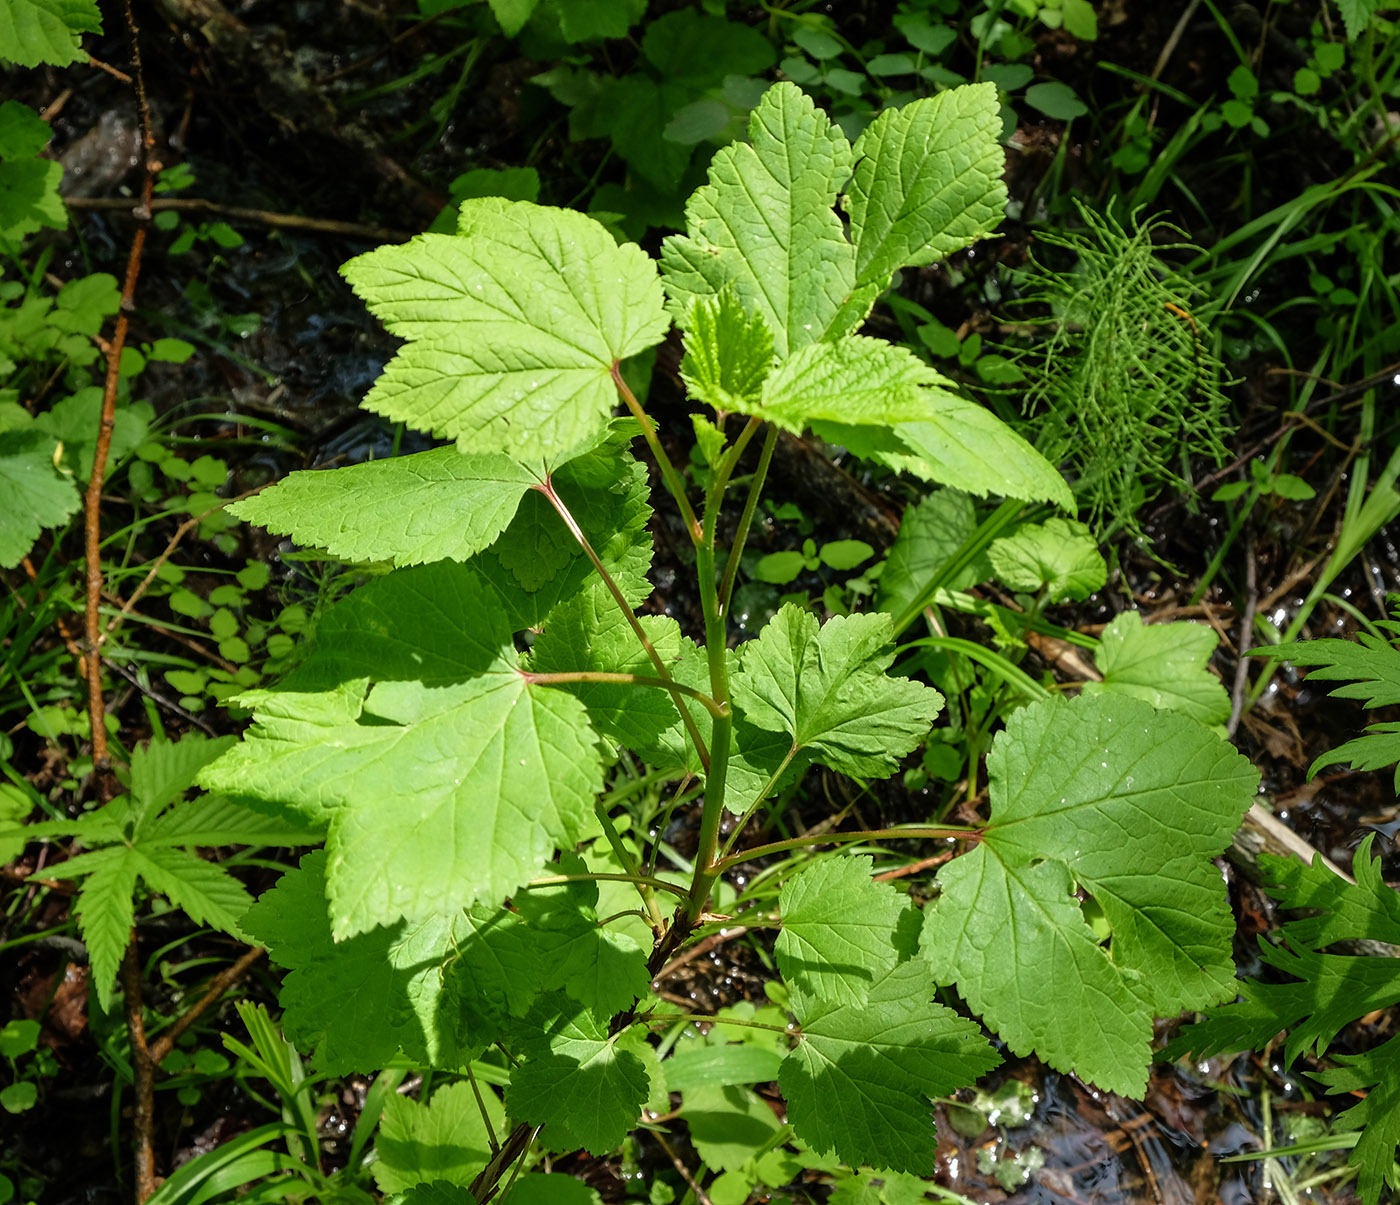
455 774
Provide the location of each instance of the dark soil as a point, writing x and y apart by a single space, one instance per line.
314 351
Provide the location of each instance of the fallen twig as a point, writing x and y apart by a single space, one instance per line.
92 514
265 217
1241 684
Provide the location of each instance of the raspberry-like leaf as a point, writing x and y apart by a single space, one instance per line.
513 324
502 772
1127 805
860 1079
826 687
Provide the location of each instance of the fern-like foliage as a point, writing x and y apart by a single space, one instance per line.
1371 668
149 835
1126 387
1327 991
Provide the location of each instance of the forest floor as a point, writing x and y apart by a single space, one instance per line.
301 136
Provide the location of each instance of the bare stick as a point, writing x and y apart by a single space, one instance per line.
142 1121
217 987
92 514
264 217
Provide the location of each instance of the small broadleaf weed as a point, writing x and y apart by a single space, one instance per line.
465 900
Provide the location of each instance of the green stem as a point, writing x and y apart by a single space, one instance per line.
951 831
1012 675
987 531
741 536
758 803
629 864
669 1018
668 471
547 489
553 880
716 651
598 675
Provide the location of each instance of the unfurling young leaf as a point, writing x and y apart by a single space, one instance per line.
827 689
728 352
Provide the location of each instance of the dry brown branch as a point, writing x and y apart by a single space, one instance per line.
264 217
145 1058
217 987
92 512
144 1071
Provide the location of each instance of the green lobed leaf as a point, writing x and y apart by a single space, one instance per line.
430 506
214 820
603 969
1129 805
962 444
854 381
1370 665
765 224
1377 749
513 325
511 15
754 753
586 1087
1374 1075
1164 664
33 494
1327 991
596 18
494 974
23 133
74 420
590 633
105 914
635 112
826 687
860 1079
444 1140
928 182
550 1188
162 771
1356 15
29 196
841 931
728 352
450 779
535 563
1060 555
208 894
728 1124
733 1063
439 1192
356 1003
701 49
46 31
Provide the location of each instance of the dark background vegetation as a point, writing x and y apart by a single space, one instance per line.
317 129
